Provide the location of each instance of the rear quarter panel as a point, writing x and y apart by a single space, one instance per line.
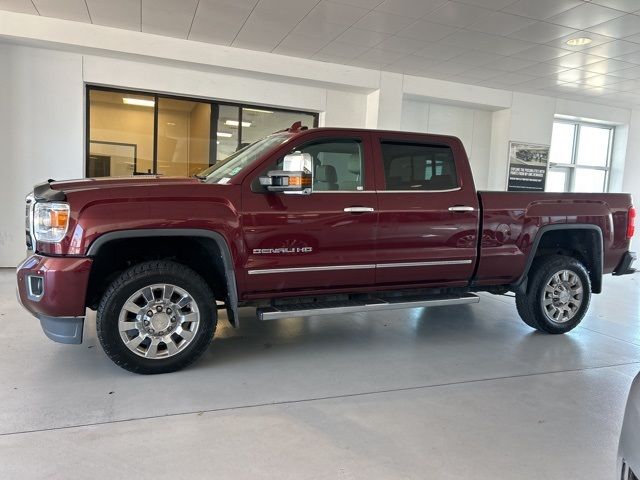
511 221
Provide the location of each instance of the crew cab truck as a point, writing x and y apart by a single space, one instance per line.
320 221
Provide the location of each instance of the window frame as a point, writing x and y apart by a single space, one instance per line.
383 140
214 104
574 166
361 140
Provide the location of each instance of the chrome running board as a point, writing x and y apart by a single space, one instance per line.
355 306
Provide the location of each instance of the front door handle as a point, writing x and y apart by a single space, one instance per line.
461 208
359 209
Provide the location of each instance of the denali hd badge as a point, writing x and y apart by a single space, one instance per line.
268 251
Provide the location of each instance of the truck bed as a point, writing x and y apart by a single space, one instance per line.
511 222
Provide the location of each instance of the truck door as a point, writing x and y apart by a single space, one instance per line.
428 211
320 241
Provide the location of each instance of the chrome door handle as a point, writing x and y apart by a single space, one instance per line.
359 209
461 208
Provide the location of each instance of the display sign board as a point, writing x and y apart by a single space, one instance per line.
527 167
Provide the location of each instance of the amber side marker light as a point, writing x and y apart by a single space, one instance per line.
299 181
58 218
631 220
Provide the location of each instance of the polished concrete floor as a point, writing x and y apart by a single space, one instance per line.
442 393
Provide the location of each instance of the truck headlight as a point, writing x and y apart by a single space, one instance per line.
50 221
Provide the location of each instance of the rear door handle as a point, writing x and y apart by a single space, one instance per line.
359 209
461 208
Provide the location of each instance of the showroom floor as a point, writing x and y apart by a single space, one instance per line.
449 392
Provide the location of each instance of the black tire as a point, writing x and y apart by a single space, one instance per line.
138 277
530 304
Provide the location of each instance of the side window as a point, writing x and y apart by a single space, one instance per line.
410 166
338 164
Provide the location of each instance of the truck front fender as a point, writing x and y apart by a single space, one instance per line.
225 252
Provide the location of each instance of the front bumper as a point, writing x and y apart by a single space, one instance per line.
624 267
53 289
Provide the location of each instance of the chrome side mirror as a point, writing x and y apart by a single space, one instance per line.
296 176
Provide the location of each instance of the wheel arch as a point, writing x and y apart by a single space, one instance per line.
558 237
103 241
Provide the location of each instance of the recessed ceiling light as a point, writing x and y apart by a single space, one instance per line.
225 134
234 123
577 42
140 102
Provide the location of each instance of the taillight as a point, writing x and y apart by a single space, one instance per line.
631 219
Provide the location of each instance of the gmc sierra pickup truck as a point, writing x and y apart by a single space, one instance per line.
320 221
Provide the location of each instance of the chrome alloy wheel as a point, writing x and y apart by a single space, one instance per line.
562 296
158 321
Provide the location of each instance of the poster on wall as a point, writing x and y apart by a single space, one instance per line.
527 167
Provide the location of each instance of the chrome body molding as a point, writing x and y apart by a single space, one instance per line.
423 264
311 269
358 267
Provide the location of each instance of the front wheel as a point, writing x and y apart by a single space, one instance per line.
557 296
156 317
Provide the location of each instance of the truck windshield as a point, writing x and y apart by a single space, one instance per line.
223 170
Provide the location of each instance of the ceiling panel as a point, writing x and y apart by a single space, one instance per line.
624 5
409 8
20 6
427 31
619 27
541 9
365 38
383 22
172 18
585 16
512 44
459 14
66 9
219 21
499 23
541 32
338 13
116 13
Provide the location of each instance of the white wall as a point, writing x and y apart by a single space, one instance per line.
472 126
42 95
41 131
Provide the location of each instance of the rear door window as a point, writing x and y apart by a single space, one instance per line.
418 167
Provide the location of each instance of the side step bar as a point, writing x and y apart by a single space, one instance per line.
370 305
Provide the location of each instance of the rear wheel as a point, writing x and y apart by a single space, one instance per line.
557 296
156 317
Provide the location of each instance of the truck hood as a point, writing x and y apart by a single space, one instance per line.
69 186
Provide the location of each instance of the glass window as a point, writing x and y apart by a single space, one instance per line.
557 180
184 130
562 142
593 146
257 122
338 164
133 133
222 171
580 157
418 167
120 134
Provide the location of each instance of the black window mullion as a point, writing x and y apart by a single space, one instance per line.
156 106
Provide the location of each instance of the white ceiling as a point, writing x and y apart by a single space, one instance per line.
513 44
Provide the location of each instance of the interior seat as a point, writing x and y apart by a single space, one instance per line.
326 178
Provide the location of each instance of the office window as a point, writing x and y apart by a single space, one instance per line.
418 167
136 133
580 157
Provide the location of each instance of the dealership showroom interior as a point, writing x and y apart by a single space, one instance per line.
319 239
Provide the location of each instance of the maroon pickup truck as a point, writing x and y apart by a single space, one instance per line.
307 222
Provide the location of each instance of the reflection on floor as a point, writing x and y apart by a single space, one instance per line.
448 392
